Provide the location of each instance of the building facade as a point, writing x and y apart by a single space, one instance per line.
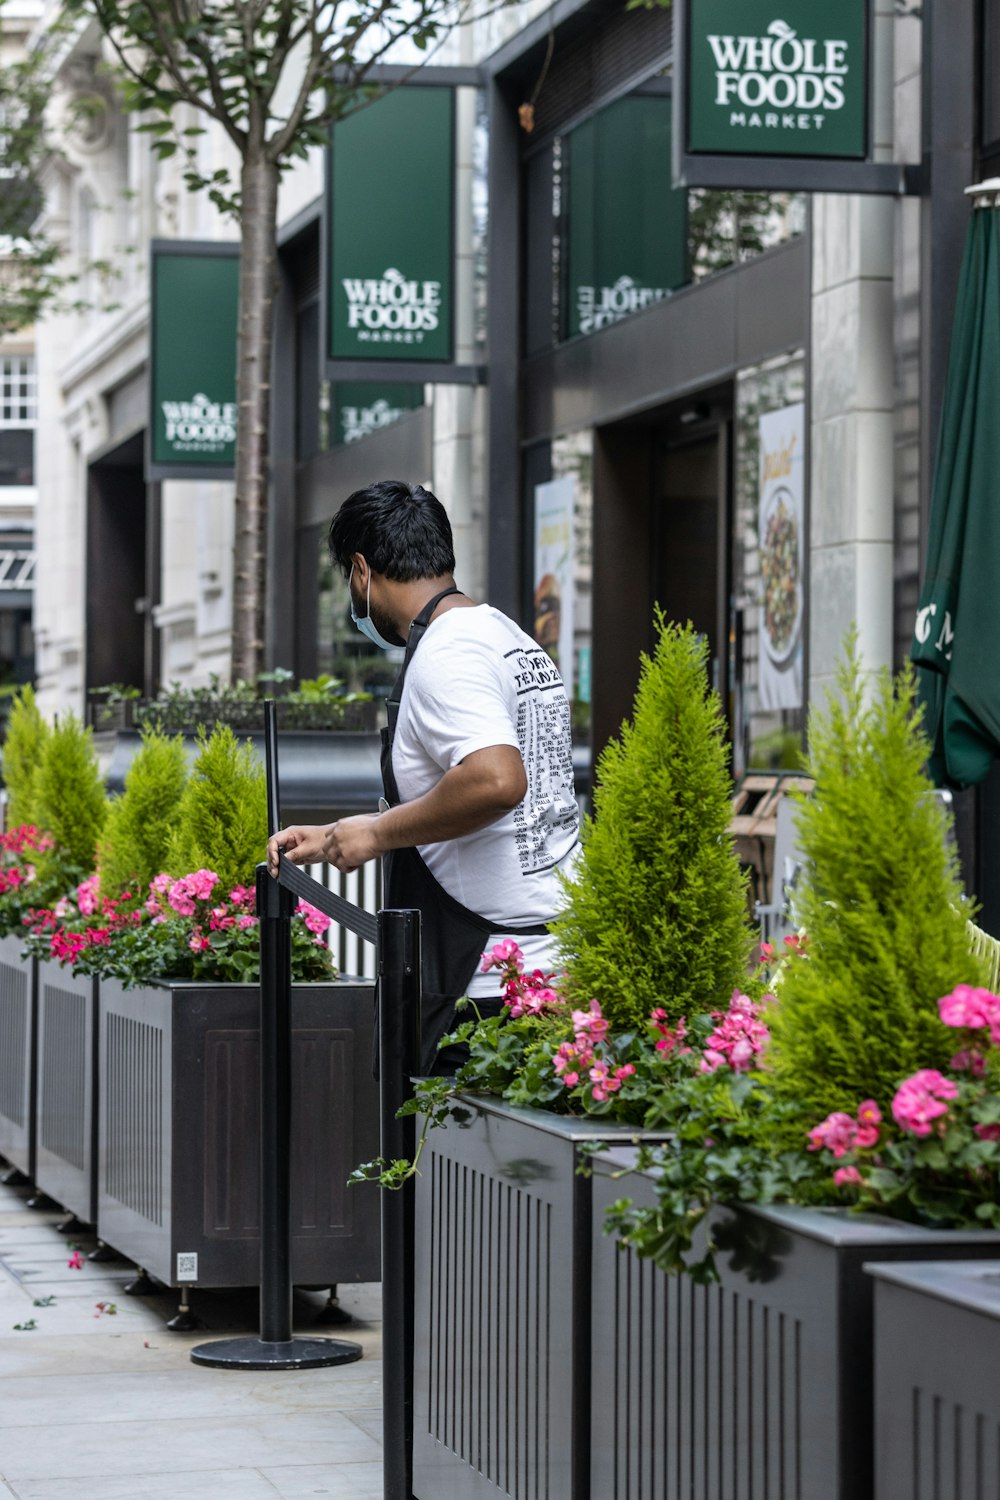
722 403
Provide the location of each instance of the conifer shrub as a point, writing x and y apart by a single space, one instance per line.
142 820
222 818
70 804
27 732
656 911
881 904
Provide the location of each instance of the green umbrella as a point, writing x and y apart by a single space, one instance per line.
957 633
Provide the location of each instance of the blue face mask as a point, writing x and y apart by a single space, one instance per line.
365 625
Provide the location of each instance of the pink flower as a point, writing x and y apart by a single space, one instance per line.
590 1023
87 895
160 884
568 1060
968 1061
314 919
240 895
844 1175
969 1008
197 942
659 1025
838 1134
921 1099
869 1120
738 1039
75 1261
767 951
179 897
501 956
987 1132
246 920
202 883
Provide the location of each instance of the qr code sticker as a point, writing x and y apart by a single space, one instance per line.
187 1265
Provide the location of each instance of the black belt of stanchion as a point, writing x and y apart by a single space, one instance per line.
362 923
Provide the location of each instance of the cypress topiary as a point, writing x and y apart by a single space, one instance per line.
142 820
222 819
881 904
71 804
27 732
656 912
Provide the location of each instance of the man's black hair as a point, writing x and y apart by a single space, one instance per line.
400 529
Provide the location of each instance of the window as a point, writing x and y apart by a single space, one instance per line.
18 418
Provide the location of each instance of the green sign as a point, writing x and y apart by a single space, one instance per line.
360 408
777 77
626 243
390 243
192 426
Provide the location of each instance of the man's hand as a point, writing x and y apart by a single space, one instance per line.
303 844
346 845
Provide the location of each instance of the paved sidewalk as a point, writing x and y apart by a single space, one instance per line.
107 1406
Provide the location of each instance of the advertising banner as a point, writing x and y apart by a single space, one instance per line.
360 408
777 77
389 233
782 558
627 228
553 595
192 383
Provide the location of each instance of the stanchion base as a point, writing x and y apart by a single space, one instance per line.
256 1354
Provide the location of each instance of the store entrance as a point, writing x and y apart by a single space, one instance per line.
661 507
689 539
122 570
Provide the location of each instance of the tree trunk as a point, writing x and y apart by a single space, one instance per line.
258 254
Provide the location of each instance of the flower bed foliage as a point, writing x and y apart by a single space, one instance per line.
859 1067
188 928
172 896
316 703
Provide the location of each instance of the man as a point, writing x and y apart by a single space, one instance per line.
479 813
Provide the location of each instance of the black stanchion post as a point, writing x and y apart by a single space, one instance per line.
399 1060
275 1349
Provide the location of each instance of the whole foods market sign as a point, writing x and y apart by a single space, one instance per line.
192 417
777 77
389 234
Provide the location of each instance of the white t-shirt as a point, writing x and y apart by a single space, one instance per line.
478 680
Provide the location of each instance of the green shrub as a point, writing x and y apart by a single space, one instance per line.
881 904
656 911
222 819
71 804
27 732
142 820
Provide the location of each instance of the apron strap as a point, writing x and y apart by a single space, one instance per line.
418 626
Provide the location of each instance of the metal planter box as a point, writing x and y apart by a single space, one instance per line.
503 1306
18 1054
178 1158
937 1400
756 1388
66 1152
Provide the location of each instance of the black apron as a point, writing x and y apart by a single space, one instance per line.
452 938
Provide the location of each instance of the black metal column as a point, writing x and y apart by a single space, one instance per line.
399 1053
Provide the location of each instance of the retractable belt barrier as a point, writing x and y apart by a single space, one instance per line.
396 937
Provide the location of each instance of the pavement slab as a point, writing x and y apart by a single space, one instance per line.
110 1407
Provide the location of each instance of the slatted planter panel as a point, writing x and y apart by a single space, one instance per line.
66 1156
759 1387
178 1159
18 1055
502 1307
937 1397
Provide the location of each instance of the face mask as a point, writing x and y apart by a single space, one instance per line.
365 625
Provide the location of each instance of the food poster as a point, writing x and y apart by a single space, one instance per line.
553 583
782 590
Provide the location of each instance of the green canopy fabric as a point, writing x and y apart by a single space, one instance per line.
956 642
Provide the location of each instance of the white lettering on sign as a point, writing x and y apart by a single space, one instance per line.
358 421
599 306
787 77
392 309
199 425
